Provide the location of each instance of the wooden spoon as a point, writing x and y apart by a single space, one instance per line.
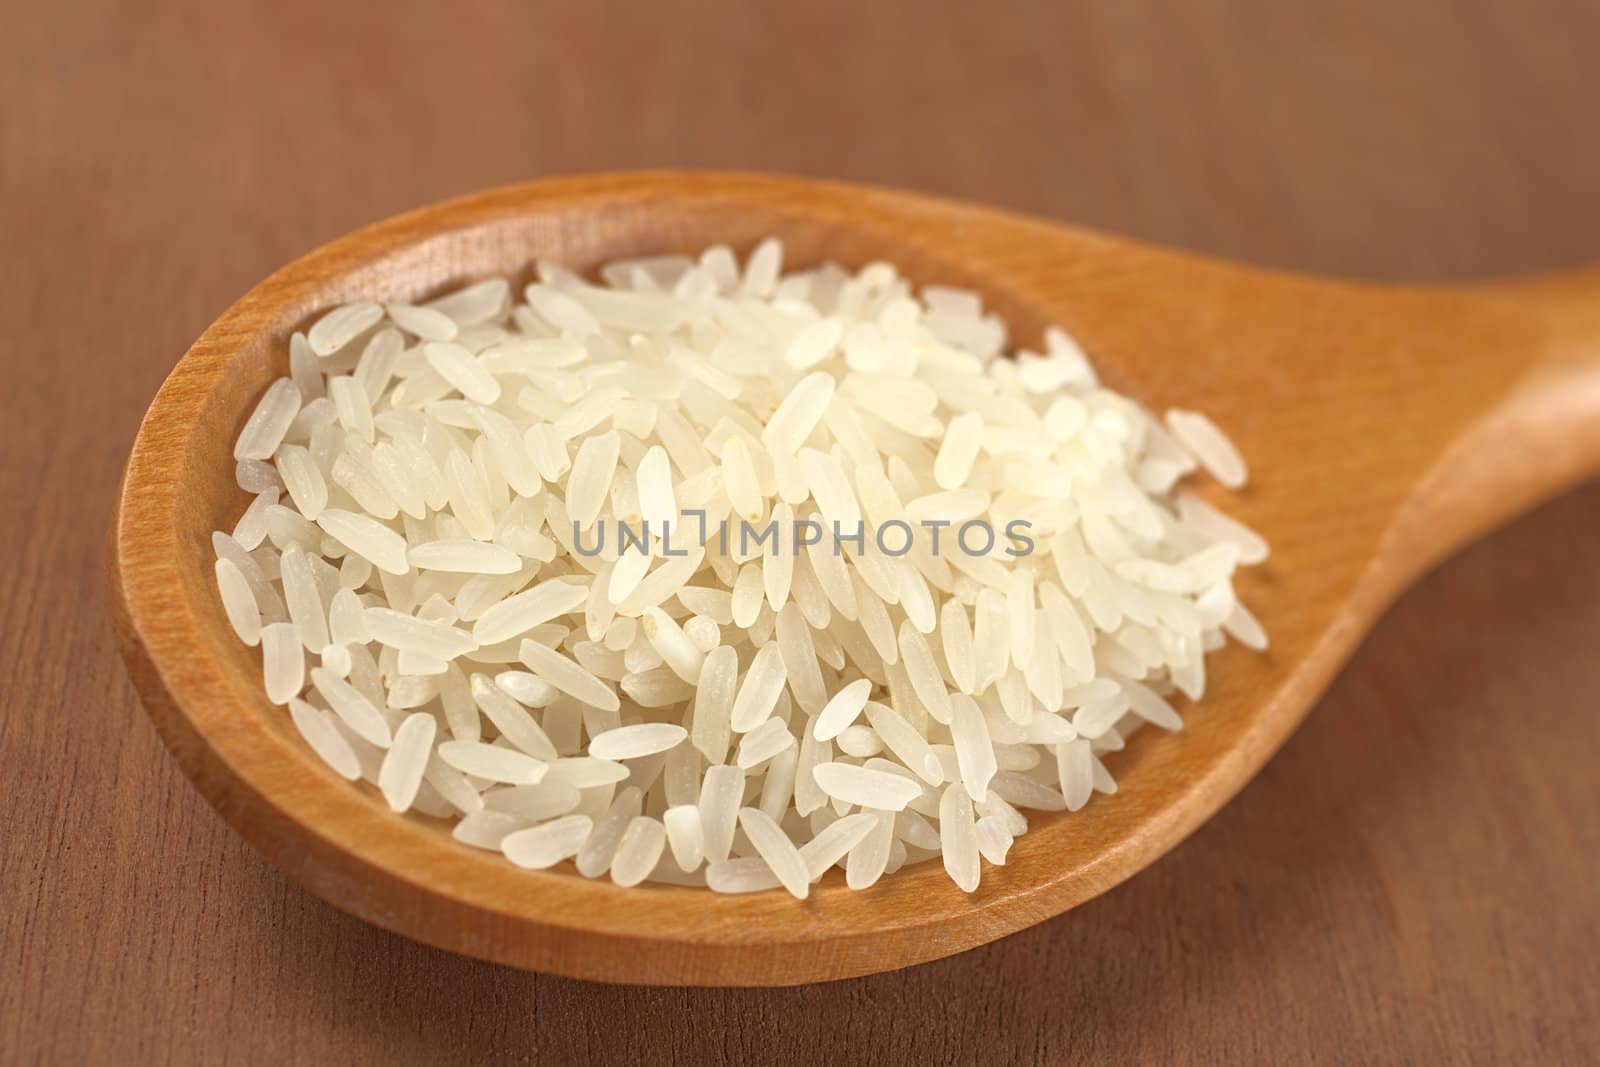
1384 426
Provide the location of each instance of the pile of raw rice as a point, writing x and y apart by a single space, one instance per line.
419 568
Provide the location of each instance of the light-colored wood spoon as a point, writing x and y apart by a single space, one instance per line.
1384 426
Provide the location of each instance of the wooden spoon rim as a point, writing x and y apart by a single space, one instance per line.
408 875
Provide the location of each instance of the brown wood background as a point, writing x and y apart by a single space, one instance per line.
1413 880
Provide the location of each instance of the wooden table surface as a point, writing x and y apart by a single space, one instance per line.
1412 880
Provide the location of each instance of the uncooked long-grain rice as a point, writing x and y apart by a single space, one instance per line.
498 564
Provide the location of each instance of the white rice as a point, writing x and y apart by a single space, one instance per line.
1243 627
401 774
866 862
518 614
352 707
492 762
830 488
866 787
490 829
923 673
376 365
407 633
302 597
460 368
438 495
525 688
674 646
520 729
959 450
640 739
347 620
975 755
592 471
841 710
429 324
834 841
798 414
477 303
906 742
763 743
270 421
304 369
283 661
1075 772
256 476
1208 445
748 590
464 556
325 739
1206 519
303 479
720 793
994 838
704 632
567 676
758 693
547 844
588 772
638 850
600 848
239 602
713 703
342 325
367 538
657 505
958 837
774 846
749 875
536 802
859 741
351 405
685 835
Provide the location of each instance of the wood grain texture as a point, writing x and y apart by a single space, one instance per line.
1410 880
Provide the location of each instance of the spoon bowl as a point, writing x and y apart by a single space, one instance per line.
1384 425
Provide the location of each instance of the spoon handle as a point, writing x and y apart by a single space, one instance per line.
1539 436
